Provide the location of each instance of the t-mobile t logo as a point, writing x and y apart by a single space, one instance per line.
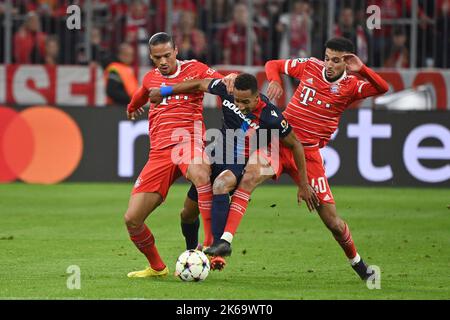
307 95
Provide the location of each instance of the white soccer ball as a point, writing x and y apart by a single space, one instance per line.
192 265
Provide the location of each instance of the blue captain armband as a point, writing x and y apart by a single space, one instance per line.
166 91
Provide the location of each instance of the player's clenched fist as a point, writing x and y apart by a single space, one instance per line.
155 96
131 115
274 90
229 81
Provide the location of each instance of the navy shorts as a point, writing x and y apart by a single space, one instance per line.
216 170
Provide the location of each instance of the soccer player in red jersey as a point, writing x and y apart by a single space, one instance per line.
176 148
248 115
324 93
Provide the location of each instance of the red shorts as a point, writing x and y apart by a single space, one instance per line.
165 166
314 169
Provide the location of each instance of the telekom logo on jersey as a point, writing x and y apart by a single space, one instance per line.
308 95
364 131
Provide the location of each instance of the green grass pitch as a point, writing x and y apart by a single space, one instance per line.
279 252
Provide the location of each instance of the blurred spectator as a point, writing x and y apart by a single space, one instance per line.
218 13
234 39
49 12
443 34
390 11
346 28
51 51
120 78
136 31
398 57
2 32
98 51
190 41
115 29
42 6
266 14
118 9
221 13
29 41
295 29
158 11
99 54
260 13
180 6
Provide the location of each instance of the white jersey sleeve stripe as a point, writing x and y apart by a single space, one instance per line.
360 87
286 67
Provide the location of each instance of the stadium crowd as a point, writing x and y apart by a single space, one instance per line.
215 31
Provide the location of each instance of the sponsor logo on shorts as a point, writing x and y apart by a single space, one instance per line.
138 182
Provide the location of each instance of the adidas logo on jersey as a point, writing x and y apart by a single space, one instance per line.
310 80
326 198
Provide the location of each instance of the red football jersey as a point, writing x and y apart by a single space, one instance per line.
176 111
317 104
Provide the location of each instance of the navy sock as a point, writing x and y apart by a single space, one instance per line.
219 214
190 233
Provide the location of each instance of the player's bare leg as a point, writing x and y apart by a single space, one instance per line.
256 172
341 232
139 207
198 173
224 183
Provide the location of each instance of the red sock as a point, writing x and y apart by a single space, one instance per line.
205 196
145 242
346 242
238 206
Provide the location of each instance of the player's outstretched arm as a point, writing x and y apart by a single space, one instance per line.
156 95
139 99
189 86
375 85
305 191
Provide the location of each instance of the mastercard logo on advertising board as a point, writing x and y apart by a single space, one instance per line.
40 144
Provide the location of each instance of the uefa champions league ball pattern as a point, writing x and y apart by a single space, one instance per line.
192 265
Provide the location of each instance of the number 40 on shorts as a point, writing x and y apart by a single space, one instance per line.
320 185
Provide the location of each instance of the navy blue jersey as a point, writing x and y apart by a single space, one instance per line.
265 116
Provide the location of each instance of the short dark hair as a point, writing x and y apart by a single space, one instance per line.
160 38
246 81
340 44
